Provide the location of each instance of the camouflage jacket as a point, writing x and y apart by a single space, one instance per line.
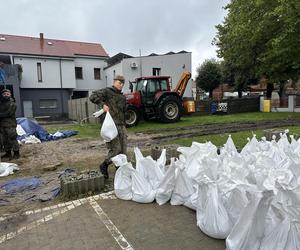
8 113
114 99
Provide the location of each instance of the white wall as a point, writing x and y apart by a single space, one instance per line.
88 82
50 72
171 65
109 73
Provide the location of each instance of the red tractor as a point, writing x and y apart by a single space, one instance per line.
152 98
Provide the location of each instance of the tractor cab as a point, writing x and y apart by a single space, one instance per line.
150 88
145 90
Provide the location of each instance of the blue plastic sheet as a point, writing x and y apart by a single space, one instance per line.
33 128
21 184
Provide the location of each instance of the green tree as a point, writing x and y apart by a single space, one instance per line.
261 38
227 73
209 75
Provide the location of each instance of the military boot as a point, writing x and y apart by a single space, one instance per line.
7 155
104 169
16 154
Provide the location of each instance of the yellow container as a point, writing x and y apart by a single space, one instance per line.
267 106
189 106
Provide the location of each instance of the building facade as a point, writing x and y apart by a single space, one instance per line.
170 64
53 71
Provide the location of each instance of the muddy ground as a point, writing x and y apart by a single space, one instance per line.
49 159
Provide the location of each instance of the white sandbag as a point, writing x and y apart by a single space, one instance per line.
7 168
277 238
293 240
123 182
138 157
161 161
123 177
183 188
229 147
192 201
212 217
151 172
119 160
142 191
248 231
282 229
234 200
108 130
165 188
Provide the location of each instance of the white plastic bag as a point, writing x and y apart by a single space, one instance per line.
7 168
109 130
98 113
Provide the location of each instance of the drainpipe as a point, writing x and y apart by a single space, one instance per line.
141 70
61 88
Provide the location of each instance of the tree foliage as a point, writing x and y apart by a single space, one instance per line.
261 38
209 75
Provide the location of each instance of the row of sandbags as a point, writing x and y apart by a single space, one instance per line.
250 198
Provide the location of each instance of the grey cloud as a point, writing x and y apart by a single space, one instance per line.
125 26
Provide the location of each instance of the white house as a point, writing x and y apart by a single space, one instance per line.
53 71
170 64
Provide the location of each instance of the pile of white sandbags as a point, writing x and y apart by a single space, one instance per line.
251 198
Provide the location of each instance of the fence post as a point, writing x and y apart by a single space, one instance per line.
87 111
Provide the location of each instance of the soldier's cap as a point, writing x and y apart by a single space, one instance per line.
119 78
5 90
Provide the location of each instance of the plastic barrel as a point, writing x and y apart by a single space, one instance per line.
189 106
213 107
267 106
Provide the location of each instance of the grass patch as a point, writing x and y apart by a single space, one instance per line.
239 138
209 119
93 130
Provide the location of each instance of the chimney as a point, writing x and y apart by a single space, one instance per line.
42 40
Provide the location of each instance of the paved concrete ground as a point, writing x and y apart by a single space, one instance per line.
104 222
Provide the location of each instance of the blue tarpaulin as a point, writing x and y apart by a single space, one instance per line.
33 128
21 184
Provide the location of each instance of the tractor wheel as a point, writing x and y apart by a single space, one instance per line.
131 117
169 109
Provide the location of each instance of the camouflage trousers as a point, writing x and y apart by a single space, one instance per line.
9 139
117 145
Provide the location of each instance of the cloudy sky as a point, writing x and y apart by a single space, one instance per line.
128 26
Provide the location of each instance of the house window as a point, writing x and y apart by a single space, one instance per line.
78 73
39 72
48 103
156 71
97 73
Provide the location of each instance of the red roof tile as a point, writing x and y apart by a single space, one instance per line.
49 47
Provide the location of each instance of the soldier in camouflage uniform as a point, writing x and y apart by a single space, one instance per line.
8 125
112 99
